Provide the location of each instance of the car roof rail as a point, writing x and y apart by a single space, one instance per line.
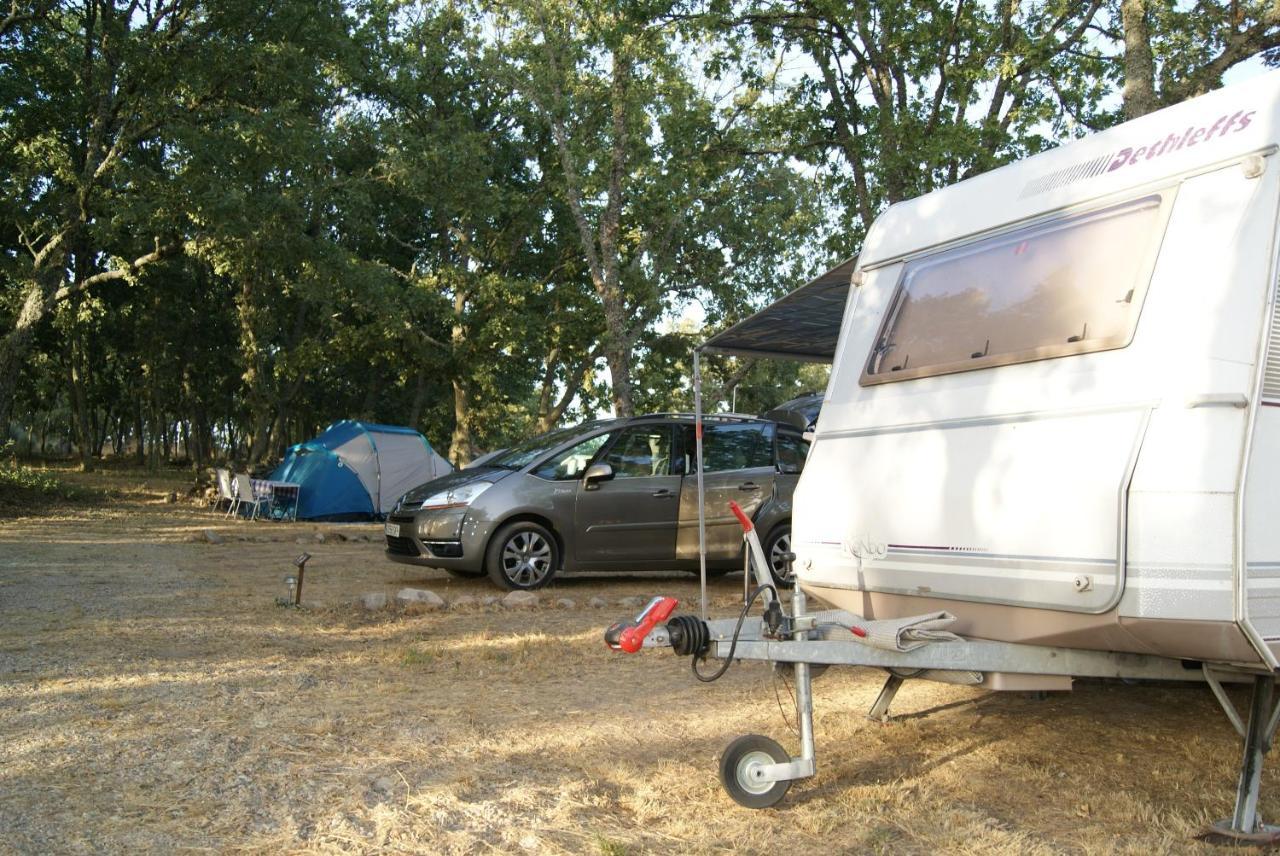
712 417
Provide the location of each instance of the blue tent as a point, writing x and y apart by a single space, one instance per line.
357 470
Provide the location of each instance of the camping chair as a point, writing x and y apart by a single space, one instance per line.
246 496
226 491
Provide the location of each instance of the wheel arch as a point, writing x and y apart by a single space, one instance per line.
530 517
767 531
772 513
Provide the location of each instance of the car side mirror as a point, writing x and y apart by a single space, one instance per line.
596 473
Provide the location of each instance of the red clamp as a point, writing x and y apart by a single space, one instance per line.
629 635
741 515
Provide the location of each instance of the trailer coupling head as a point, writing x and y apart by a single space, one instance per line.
629 636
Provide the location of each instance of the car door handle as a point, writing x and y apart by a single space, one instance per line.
748 486
664 493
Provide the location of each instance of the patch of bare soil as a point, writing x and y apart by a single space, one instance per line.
154 698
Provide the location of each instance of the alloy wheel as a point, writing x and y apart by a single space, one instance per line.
780 547
526 559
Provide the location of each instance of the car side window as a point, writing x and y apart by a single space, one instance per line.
642 451
792 452
570 464
737 446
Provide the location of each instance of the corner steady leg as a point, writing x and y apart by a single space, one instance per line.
1245 825
880 710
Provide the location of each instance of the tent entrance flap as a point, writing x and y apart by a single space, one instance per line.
804 325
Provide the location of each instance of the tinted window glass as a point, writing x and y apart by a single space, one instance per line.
640 452
792 452
524 453
735 447
1070 286
571 464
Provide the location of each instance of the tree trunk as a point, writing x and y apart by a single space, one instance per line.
101 429
17 342
139 432
419 399
280 433
79 411
617 354
461 447
1139 65
261 435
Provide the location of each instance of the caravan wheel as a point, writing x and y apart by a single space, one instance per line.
522 555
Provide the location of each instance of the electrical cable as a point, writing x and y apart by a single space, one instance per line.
728 660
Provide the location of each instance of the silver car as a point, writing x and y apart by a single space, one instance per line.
609 495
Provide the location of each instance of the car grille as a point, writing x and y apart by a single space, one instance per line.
401 546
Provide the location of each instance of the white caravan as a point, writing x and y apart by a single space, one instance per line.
1050 445
1054 409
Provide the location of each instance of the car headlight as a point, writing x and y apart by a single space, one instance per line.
456 497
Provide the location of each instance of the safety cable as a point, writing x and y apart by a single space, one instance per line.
786 720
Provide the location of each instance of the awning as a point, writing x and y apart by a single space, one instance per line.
804 325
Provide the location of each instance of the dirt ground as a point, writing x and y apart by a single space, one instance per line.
154 698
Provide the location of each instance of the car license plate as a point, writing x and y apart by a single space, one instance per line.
392 529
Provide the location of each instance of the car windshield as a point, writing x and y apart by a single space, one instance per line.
522 454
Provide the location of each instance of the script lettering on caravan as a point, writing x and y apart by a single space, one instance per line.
1194 135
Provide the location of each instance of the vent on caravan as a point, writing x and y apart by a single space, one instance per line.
1271 372
1066 175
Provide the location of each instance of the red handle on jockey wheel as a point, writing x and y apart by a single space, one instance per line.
747 525
629 635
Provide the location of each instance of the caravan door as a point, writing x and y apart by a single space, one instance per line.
986 415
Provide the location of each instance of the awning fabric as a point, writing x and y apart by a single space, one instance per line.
804 325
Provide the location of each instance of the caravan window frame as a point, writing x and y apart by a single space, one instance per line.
1056 222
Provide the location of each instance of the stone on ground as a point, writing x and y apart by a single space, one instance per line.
374 600
462 601
520 600
213 537
565 603
597 602
632 602
419 600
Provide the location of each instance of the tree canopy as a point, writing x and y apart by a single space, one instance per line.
225 225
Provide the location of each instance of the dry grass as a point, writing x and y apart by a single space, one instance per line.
152 698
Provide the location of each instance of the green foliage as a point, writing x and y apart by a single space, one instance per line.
25 489
225 225
608 847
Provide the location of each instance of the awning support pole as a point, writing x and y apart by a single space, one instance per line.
702 514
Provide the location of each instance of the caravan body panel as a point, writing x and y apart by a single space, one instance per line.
1060 464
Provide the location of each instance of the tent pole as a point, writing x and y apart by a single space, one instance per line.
702 514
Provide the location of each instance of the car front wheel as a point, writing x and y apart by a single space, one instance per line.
522 555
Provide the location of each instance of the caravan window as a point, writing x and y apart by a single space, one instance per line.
1070 286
